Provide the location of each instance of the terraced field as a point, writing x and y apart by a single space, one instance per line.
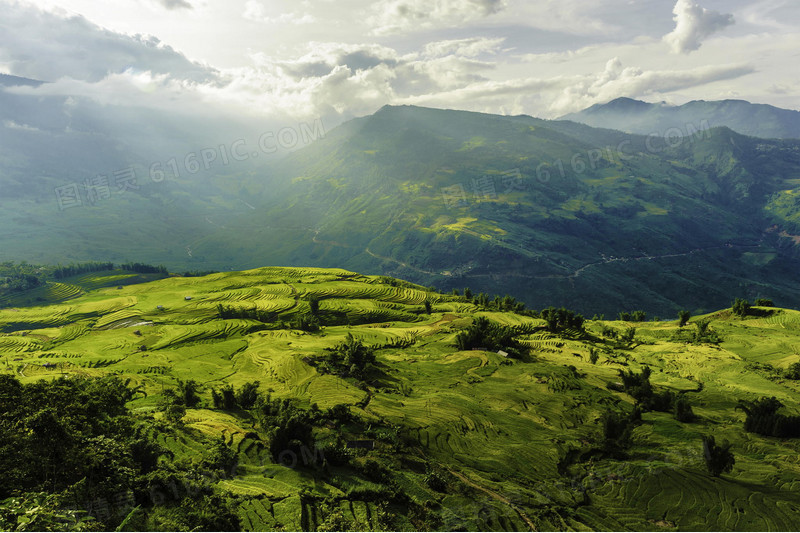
514 441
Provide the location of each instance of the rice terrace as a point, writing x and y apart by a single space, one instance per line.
321 399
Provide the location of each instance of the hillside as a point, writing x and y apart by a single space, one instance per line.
634 116
551 212
428 436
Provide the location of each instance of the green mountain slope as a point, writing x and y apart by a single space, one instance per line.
445 439
552 212
757 120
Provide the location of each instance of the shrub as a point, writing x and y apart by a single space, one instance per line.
718 458
740 307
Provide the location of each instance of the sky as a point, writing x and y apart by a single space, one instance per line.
337 59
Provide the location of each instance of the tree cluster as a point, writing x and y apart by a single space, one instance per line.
68 444
488 335
561 319
648 399
762 417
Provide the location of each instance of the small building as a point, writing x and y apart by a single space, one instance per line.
187 298
501 352
159 307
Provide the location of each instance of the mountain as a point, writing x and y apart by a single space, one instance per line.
7 80
552 212
217 403
634 116
82 180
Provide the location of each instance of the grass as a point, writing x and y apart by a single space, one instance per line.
498 428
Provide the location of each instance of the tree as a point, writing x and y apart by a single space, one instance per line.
247 396
683 317
428 307
594 355
718 458
561 319
313 304
740 307
683 409
187 393
763 302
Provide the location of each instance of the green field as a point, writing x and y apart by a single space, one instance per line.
515 442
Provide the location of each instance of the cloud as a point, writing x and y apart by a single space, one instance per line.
617 80
471 47
79 49
175 4
693 24
396 16
257 12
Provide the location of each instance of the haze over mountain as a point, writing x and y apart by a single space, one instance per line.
549 211
635 116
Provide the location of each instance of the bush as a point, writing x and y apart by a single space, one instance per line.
561 319
483 333
763 302
683 317
740 307
683 409
718 458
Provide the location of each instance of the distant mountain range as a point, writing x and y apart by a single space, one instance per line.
7 80
552 212
549 211
635 116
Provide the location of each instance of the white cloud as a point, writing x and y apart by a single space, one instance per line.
471 47
396 16
616 81
256 11
175 4
76 48
693 24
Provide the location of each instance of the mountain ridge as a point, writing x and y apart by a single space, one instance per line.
636 116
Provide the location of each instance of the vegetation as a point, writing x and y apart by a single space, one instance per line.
718 457
385 422
484 334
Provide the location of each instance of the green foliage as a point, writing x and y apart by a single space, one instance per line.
40 511
763 302
313 304
247 395
428 307
618 431
68 446
594 355
718 457
740 307
253 313
683 317
793 372
635 316
306 322
762 417
704 333
349 358
488 335
187 393
628 336
682 409
561 319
